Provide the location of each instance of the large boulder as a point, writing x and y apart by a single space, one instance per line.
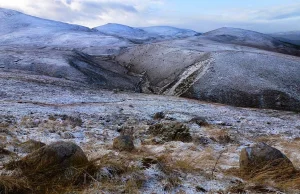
59 160
264 161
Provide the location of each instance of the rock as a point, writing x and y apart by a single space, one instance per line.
68 135
159 115
148 161
200 189
202 140
171 132
201 121
71 120
30 146
263 158
4 153
225 139
123 143
59 160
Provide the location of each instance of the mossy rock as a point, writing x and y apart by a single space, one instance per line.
263 160
171 132
123 143
59 161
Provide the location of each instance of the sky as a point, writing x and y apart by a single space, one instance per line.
200 15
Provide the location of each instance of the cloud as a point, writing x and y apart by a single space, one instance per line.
85 12
93 13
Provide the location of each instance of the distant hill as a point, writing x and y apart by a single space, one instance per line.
251 38
146 34
292 37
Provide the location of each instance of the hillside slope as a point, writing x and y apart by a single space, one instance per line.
211 70
292 37
252 39
20 29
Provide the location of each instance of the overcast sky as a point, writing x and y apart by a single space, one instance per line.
200 15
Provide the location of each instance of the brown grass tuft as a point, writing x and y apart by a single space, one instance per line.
14 185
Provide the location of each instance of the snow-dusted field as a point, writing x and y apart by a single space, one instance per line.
26 107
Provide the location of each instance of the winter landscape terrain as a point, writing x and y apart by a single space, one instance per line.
190 102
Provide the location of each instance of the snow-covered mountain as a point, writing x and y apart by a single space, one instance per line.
292 37
146 34
20 29
251 38
168 31
124 31
31 45
14 21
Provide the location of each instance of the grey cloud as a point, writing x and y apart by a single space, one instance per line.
287 15
281 13
89 10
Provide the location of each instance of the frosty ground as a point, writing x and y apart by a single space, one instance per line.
36 110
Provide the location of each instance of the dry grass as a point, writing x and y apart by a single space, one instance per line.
14 185
222 136
282 177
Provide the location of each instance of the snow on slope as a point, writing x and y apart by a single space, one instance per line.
43 47
146 33
241 35
200 68
292 37
13 21
124 31
166 31
20 29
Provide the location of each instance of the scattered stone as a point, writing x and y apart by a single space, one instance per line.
123 143
200 189
68 135
4 152
225 139
201 121
71 120
148 161
171 132
202 140
159 115
262 157
30 146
